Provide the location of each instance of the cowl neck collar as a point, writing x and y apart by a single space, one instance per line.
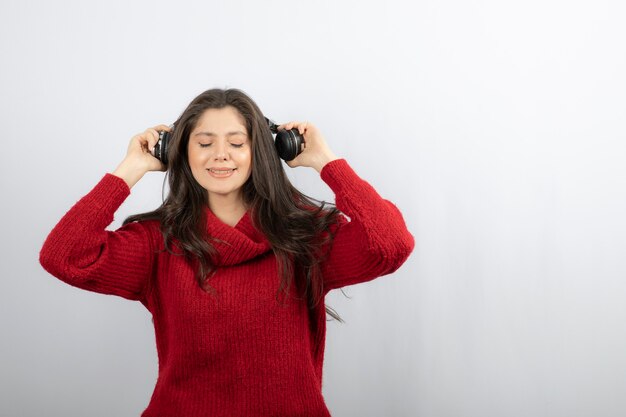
236 244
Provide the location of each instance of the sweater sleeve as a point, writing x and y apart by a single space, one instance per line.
373 242
80 252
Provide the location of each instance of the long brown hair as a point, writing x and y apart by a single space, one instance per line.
296 226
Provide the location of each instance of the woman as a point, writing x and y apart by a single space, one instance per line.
235 264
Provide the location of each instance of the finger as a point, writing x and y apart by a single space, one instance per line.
162 127
289 125
152 137
302 127
139 141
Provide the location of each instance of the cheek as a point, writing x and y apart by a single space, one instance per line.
196 159
197 167
244 159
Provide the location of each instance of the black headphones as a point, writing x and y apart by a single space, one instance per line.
288 143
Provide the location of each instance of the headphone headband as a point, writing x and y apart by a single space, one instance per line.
273 126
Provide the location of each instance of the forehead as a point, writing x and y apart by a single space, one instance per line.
221 121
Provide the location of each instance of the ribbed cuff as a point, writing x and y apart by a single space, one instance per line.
109 194
337 174
341 178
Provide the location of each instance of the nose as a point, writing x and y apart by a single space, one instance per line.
221 153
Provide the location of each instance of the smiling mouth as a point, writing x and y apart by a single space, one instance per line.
221 170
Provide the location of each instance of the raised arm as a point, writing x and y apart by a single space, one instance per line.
374 239
373 242
81 252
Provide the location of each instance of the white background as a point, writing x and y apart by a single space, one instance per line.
497 127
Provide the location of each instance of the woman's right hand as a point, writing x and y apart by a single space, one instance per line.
139 158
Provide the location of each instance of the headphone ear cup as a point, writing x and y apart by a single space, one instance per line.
160 149
288 144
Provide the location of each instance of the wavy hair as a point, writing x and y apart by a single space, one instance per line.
296 226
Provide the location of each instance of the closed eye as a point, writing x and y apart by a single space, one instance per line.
234 145
206 145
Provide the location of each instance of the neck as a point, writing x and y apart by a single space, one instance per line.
228 208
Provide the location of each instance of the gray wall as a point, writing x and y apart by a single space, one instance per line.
497 128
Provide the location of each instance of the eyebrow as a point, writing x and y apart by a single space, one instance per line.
238 132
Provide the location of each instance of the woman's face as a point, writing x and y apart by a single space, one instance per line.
219 152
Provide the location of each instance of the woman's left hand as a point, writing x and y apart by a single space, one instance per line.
316 152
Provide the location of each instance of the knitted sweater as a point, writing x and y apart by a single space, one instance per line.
240 350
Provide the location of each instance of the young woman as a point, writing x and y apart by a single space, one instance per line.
235 264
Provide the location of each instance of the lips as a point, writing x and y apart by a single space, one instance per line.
221 172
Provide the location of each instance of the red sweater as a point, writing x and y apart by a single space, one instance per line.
238 351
